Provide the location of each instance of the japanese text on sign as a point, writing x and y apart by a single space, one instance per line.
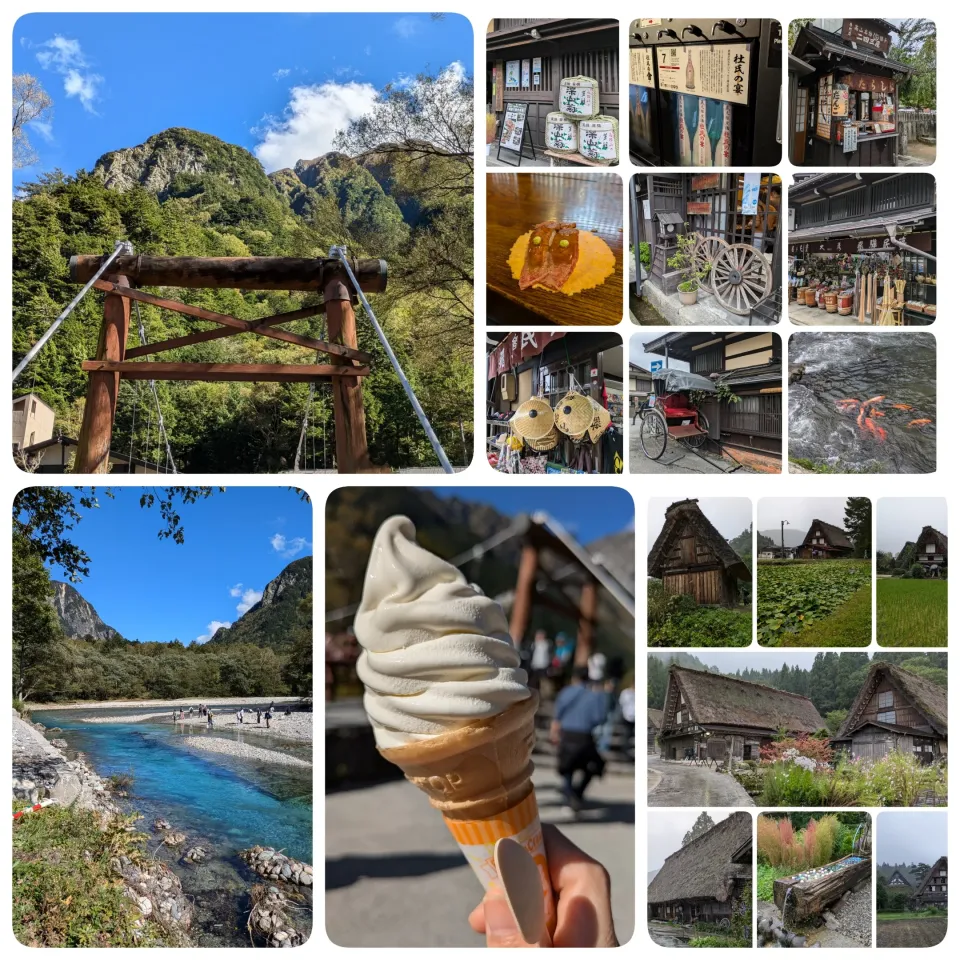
865 83
719 71
824 107
641 66
751 194
514 120
856 31
513 73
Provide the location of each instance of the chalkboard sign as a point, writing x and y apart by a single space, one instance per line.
514 130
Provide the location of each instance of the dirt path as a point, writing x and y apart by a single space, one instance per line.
922 932
683 785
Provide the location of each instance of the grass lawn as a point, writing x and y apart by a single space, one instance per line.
847 626
911 613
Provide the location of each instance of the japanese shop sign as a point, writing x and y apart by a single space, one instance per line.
641 66
865 83
860 32
720 71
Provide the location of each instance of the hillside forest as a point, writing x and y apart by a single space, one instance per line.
399 186
832 682
267 652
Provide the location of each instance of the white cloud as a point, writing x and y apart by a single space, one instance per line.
249 598
281 73
288 546
236 590
43 129
65 56
367 50
310 121
212 627
406 27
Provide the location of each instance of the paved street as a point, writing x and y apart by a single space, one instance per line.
684 785
395 876
677 459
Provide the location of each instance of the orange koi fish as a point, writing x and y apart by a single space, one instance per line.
848 400
918 423
868 423
863 413
901 406
877 413
881 434
874 400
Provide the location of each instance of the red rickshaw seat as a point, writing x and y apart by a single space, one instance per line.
677 405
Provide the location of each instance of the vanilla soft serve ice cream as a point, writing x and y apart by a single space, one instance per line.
437 654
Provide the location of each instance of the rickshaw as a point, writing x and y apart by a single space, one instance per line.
673 414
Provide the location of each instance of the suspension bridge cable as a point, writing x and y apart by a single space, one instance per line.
156 397
121 247
341 254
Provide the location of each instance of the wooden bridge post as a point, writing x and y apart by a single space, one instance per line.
96 432
353 455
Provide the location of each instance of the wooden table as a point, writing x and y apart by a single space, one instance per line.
516 202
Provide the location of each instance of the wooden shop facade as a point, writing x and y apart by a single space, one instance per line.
845 224
708 716
527 59
703 880
750 364
844 94
895 710
529 364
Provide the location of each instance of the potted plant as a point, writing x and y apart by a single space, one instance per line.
683 260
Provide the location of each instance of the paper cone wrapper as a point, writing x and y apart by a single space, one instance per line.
479 778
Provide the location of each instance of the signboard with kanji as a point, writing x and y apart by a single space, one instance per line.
695 206
867 83
705 181
878 244
641 67
514 121
865 34
720 71
824 106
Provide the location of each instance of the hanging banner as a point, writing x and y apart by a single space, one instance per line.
824 107
718 71
641 67
841 99
536 71
513 74
525 75
867 83
516 348
751 194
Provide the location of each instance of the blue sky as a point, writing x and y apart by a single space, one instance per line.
152 589
279 85
586 512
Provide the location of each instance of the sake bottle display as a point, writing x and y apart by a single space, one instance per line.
579 97
599 138
561 133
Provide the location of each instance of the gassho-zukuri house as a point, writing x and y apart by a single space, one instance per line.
932 891
702 881
895 710
723 718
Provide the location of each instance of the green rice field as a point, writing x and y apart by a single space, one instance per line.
911 613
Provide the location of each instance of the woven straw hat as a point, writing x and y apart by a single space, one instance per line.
573 414
533 419
543 444
599 422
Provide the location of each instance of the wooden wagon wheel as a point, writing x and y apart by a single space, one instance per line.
741 278
706 250
653 434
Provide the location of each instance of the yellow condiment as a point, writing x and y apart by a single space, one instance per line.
595 262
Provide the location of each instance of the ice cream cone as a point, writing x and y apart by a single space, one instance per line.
479 778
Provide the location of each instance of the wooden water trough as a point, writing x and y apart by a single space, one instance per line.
810 896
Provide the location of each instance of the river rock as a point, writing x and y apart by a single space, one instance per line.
159 825
268 921
157 892
196 854
59 743
174 839
274 865
798 941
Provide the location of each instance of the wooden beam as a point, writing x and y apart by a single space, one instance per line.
349 420
238 273
103 387
236 326
588 619
523 595
211 372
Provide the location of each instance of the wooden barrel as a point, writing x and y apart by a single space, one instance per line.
845 303
830 301
810 295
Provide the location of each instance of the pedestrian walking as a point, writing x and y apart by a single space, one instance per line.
258 716
540 658
209 718
269 716
240 715
577 711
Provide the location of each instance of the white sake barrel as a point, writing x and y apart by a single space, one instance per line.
599 138
579 97
560 133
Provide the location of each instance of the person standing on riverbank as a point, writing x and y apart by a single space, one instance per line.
209 718
240 715
258 716
269 715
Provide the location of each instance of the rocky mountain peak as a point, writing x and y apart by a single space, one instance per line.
77 616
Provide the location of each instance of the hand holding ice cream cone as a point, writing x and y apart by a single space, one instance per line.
448 700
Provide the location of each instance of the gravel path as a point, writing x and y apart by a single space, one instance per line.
235 748
855 914
298 726
684 785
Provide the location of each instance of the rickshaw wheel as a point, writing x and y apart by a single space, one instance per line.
653 434
741 278
698 439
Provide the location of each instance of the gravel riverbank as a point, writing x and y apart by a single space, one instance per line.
298 726
235 748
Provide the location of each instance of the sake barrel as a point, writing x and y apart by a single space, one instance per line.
845 303
560 133
579 97
830 301
810 296
598 139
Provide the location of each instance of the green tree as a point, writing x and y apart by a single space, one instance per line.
31 104
916 45
701 825
857 520
298 672
834 720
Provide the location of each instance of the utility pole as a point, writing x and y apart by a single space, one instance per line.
783 549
